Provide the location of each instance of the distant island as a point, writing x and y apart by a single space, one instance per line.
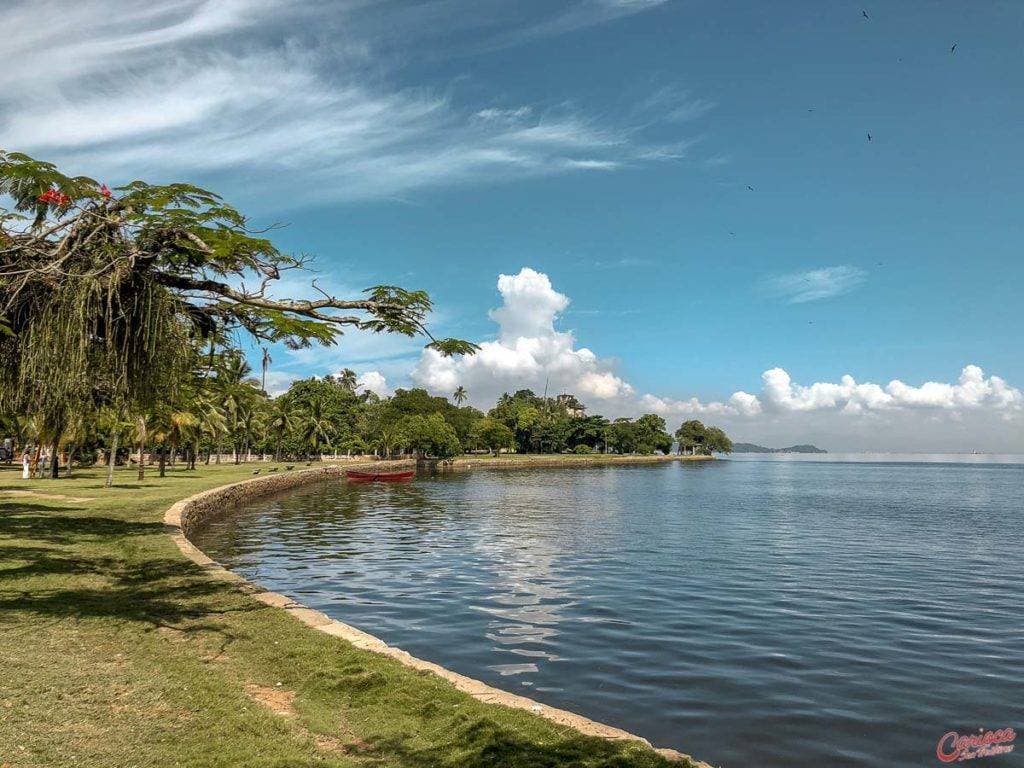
751 448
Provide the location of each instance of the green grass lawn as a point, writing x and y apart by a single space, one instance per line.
117 651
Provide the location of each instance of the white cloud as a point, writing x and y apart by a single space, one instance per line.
530 351
780 395
972 391
740 404
192 88
816 284
373 381
279 381
577 15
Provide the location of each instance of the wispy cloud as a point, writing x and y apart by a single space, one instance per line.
201 88
578 15
625 262
815 284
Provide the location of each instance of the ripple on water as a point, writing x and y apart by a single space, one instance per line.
751 613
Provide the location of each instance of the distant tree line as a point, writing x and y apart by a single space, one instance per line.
225 415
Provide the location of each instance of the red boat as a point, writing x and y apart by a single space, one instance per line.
381 477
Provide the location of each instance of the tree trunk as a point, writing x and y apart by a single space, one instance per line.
218 453
55 458
114 441
163 461
71 459
142 448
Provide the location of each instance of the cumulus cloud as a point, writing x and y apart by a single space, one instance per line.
740 404
972 391
779 394
815 284
530 351
373 381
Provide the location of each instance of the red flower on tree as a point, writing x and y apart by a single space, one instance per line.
54 196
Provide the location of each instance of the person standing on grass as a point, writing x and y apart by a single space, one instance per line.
26 462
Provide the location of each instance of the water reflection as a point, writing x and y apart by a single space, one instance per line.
751 612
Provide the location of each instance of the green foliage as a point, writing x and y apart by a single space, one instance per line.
646 435
431 436
493 435
694 437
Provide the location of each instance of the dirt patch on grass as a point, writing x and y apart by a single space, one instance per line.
277 700
346 742
282 702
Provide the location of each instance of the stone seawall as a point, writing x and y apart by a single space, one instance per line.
561 461
184 517
188 514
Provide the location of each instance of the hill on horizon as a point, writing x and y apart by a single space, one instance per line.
752 448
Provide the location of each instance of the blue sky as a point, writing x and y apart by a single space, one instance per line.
695 177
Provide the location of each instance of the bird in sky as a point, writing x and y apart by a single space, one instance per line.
865 15
869 137
750 188
953 49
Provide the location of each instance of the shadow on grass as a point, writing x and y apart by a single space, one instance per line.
484 742
159 592
58 563
40 522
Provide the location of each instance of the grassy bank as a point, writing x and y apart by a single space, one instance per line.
117 651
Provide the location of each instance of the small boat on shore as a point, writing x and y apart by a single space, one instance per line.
380 477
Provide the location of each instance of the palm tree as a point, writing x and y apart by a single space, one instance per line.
171 428
284 417
253 428
78 432
112 422
316 425
347 378
460 395
266 361
388 437
183 426
236 391
212 422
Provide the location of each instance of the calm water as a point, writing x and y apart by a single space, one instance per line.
751 612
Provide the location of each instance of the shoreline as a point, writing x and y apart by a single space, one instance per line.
523 460
187 515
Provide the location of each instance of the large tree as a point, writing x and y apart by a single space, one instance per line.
103 293
493 435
